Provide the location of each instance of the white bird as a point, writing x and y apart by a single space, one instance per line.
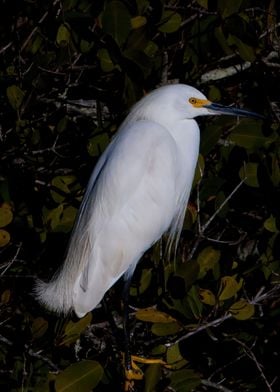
138 191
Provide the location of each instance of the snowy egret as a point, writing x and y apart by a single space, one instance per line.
138 190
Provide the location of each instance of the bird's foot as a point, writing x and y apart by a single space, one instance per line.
134 373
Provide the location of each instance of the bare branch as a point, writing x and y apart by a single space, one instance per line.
248 351
261 296
2 50
11 262
222 73
213 323
37 27
214 385
270 30
38 355
205 226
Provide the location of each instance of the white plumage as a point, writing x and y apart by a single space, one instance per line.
138 190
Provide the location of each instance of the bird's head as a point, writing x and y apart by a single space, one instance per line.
176 102
194 104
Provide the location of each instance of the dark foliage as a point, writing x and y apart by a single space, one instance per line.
69 72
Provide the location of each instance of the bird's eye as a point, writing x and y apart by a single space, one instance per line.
193 101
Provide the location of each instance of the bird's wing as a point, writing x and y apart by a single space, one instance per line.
128 206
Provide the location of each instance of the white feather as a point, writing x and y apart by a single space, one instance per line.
138 191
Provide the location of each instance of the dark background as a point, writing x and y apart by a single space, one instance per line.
69 72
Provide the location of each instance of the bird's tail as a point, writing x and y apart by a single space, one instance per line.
56 295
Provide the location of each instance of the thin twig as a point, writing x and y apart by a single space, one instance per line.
214 385
202 228
5 340
210 220
213 323
10 263
222 368
2 50
37 27
261 296
270 30
248 351
38 355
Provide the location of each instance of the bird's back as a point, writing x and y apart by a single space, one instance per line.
129 204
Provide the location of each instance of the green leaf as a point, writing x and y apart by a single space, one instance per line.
153 315
191 216
173 354
39 327
62 124
4 238
207 259
248 134
63 35
242 310
81 376
5 297
207 297
210 187
106 63
189 271
6 215
145 280
159 350
53 216
86 46
270 224
62 183
189 55
138 21
245 51
218 202
36 44
214 94
73 330
202 3
164 329
4 190
67 220
228 8
275 169
97 144
249 173
140 59
61 219
194 302
152 376
220 37
199 170
170 22
212 134
116 21
15 96
151 49
185 380
229 287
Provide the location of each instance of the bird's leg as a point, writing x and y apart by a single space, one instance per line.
127 354
132 371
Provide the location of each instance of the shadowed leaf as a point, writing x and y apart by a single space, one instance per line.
242 310
81 376
229 287
4 238
170 22
15 96
153 316
116 21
